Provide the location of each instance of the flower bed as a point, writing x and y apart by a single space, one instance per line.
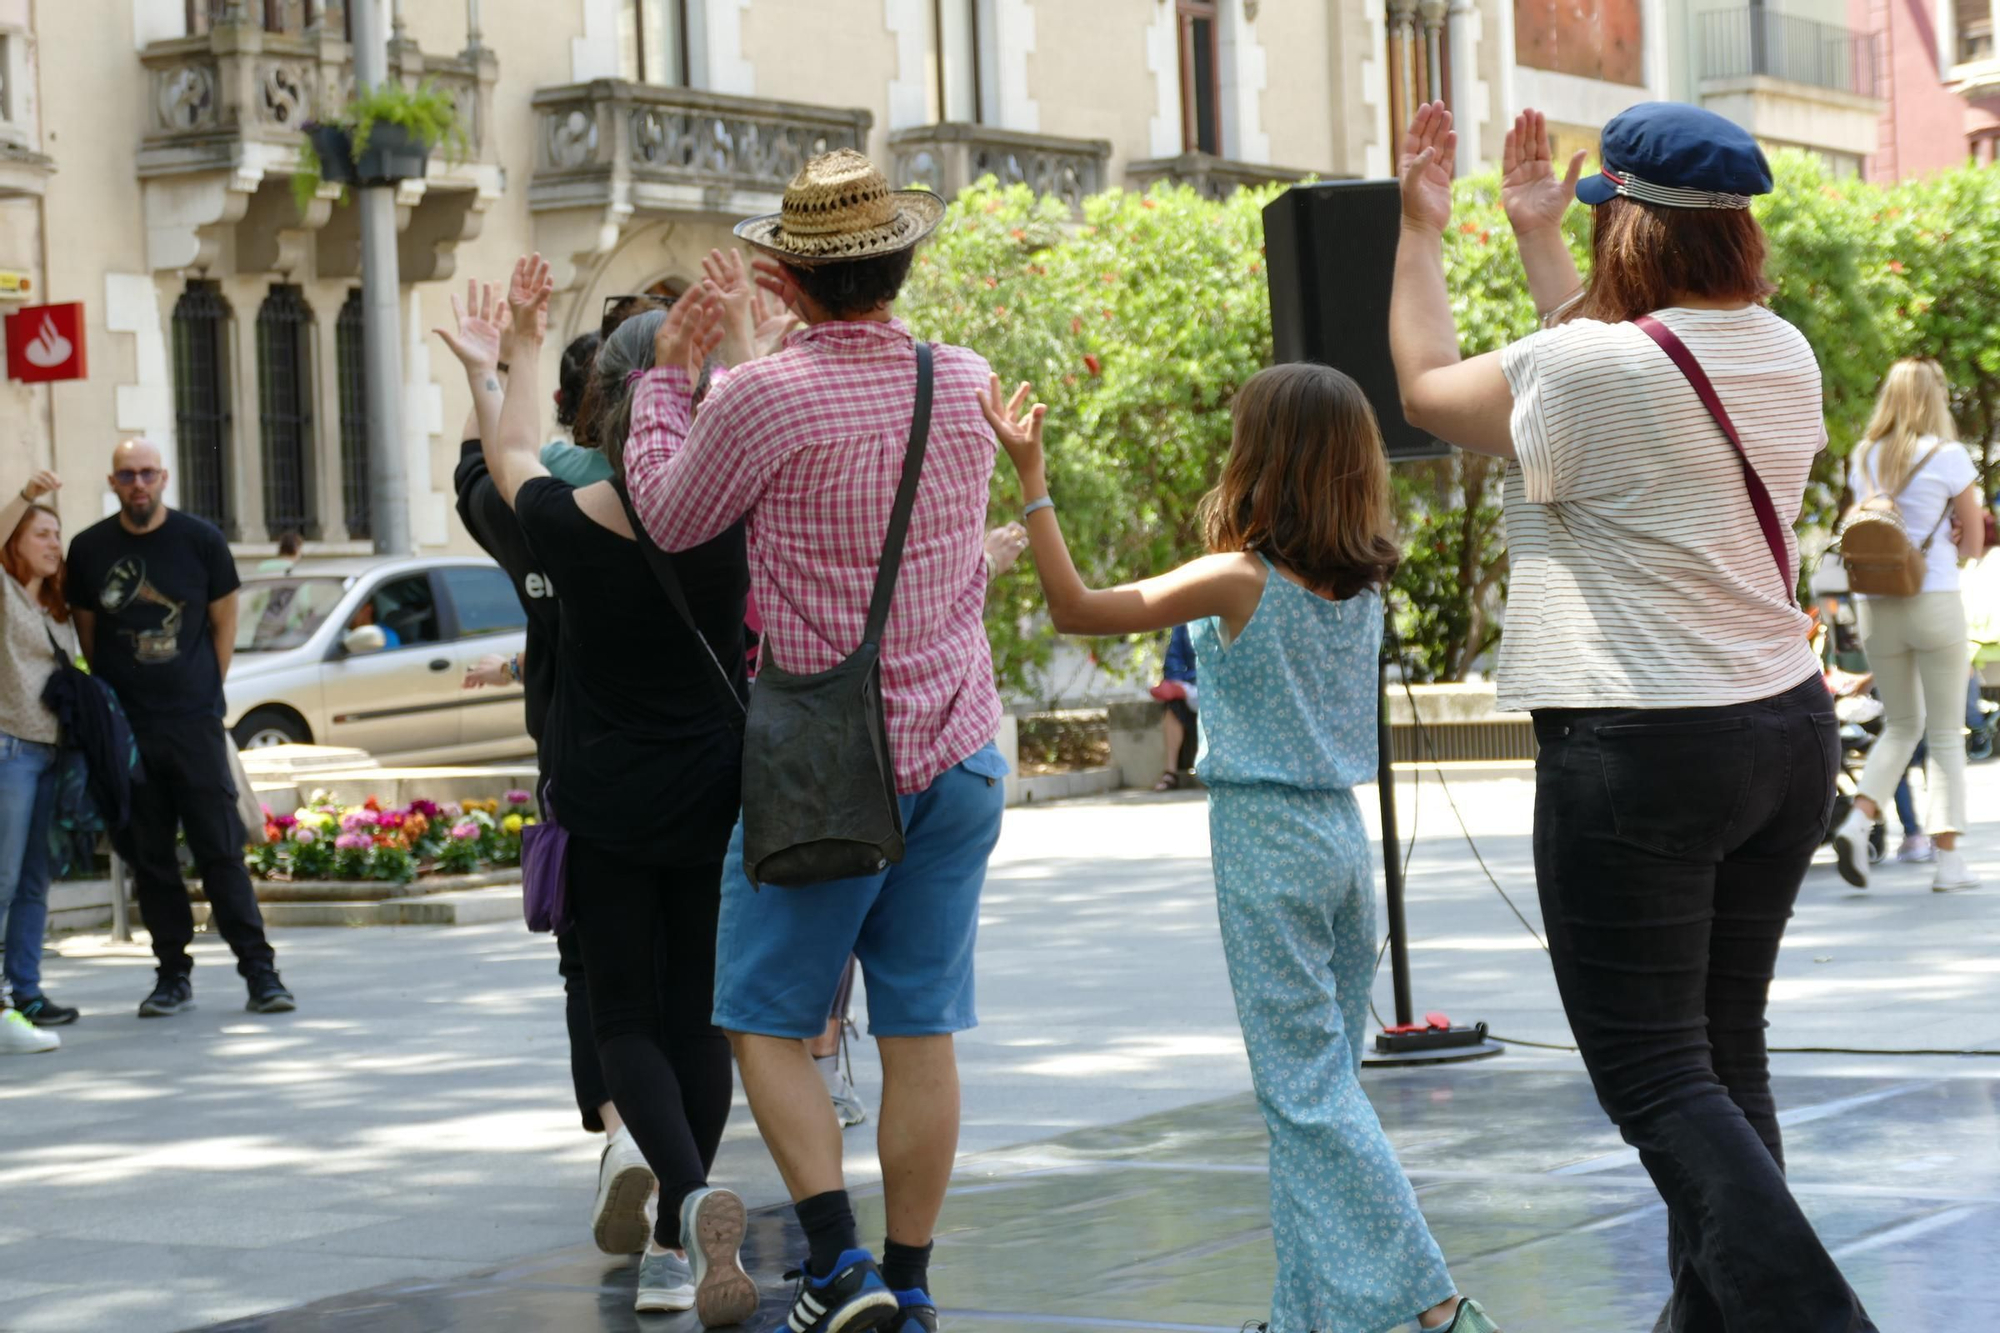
325 840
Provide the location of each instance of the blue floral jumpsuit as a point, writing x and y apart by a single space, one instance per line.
1288 727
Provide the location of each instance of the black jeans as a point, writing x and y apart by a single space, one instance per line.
1669 847
648 938
189 787
586 1071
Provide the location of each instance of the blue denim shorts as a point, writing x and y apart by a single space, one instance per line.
779 952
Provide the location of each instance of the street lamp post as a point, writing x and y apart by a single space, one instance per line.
381 283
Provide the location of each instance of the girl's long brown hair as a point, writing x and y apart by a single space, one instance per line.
1645 256
54 600
1306 484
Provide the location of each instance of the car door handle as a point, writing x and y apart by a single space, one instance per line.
440 664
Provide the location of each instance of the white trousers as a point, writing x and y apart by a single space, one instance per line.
1917 649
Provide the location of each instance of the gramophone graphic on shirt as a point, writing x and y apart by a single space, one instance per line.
126 587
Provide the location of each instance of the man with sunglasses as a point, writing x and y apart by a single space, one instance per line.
154 591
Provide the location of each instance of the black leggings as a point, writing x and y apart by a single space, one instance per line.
648 938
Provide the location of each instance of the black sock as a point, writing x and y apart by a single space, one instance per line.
906 1267
830 1229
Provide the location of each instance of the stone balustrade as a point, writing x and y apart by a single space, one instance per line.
947 158
1212 177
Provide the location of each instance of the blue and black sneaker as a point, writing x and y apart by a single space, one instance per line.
850 1299
916 1312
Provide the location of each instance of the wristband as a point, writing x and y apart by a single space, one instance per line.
505 368
1044 503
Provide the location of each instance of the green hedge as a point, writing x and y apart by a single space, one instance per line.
1138 324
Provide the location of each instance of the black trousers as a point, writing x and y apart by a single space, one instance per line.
189 787
586 1071
648 942
1669 847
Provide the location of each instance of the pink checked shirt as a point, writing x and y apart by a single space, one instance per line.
809 443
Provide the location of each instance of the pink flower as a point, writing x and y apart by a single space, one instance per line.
360 819
285 821
428 809
304 836
466 832
390 819
518 797
353 842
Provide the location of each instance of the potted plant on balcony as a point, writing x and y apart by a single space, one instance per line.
385 135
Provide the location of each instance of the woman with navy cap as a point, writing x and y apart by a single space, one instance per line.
1659 432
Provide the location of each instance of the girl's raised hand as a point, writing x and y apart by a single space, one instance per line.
528 296
475 337
1018 426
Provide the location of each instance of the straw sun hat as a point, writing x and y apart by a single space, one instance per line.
840 207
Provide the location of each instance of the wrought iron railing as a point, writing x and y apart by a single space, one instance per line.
1743 43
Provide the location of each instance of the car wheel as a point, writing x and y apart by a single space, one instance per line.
262 728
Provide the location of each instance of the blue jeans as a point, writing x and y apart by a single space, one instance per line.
27 804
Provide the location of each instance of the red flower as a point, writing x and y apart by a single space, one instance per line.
1485 238
1469 228
1147 203
1896 266
373 803
992 282
1018 234
1075 325
1092 364
1110 279
1000 310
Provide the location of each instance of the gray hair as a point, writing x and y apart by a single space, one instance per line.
629 349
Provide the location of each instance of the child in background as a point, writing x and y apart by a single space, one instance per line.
1286 621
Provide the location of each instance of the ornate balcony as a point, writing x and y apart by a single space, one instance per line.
220 143
1212 177
949 157
609 152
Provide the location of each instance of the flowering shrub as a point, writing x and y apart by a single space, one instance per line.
323 839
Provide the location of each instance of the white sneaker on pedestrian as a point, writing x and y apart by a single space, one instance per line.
1916 849
847 1103
666 1282
712 1227
624 1184
1850 847
1952 872
20 1037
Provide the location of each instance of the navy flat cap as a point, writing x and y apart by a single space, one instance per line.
1679 156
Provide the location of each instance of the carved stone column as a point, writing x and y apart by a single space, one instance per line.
1431 13
1404 79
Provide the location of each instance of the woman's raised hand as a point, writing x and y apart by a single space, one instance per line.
1018 426
1529 190
40 484
528 297
692 330
730 278
1425 166
475 337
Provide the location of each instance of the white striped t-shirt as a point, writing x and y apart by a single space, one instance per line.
1639 577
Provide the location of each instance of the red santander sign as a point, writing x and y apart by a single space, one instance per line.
45 342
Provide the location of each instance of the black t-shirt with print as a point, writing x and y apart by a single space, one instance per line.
150 593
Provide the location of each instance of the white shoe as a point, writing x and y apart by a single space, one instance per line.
665 1283
1850 847
712 1226
1916 849
1952 872
20 1037
624 1183
847 1103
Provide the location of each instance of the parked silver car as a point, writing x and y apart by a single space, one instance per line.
372 654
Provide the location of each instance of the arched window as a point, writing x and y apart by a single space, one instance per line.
202 418
285 411
351 365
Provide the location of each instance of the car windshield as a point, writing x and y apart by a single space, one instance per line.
276 614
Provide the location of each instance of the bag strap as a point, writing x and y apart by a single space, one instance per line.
1760 497
669 580
906 499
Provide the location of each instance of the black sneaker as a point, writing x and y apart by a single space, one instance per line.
46 1013
852 1298
917 1313
173 995
269 996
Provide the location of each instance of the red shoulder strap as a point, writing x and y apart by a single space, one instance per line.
1760 498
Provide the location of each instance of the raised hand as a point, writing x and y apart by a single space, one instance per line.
1425 166
1018 426
772 277
528 295
730 277
773 323
1529 190
40 484
691 331
475 337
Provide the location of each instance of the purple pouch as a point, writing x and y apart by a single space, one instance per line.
545 872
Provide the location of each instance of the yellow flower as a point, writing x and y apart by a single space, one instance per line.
512 823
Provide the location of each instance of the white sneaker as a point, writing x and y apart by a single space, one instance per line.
1850 847
712 1226
1952 872
1916 849
624 1184
20 1037
847 1103
665 1283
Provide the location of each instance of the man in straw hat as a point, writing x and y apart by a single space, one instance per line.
809 444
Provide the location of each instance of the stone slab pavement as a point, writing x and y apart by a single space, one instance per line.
412 1120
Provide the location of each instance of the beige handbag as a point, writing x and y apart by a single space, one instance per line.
248 808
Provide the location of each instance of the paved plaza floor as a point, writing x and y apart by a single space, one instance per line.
400 1154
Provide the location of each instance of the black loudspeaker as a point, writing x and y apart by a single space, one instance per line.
1331 252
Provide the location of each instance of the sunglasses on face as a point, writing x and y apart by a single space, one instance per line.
144 476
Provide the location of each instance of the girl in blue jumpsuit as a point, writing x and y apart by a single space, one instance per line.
1286 619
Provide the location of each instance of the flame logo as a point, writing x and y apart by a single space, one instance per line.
49 349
